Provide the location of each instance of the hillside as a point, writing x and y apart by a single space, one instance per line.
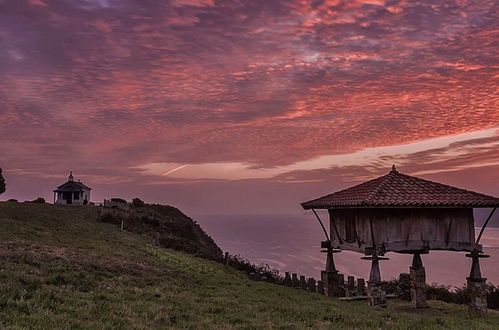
166 225
60 268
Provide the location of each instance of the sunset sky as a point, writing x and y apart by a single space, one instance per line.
219 106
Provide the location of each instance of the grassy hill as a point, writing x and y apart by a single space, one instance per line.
60 268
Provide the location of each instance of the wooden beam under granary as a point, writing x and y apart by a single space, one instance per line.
403 214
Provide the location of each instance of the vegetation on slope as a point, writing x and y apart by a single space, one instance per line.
167 226
61 269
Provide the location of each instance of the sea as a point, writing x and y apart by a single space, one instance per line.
292 243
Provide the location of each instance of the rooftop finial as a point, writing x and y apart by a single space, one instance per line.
70 176
394 169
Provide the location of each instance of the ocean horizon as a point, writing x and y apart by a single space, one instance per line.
292 243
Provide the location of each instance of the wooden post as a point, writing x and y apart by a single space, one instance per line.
418 282
404 286
296 281
303 283
341 285
351 286
226 258
320 287
311 284
361 287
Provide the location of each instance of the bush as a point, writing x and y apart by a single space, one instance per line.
461 294
137 202
119 200
2 183
263 271
12 200
39 200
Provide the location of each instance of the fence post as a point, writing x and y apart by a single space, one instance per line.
361 286
341 283
311 284
320 287
404 286
226 258
296 282
351 286
303 283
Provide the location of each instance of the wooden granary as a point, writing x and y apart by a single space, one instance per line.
403 214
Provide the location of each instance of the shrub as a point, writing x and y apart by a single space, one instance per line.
137 202
2 183
39 200
119 200
12 200
263 271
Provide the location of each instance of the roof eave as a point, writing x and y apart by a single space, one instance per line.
330 207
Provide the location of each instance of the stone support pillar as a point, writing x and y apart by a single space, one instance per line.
376 295
476 285
418 282
330 283
287 279
329 277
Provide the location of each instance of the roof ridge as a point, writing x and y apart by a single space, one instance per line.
380 186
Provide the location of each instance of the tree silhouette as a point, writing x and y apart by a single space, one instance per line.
2 183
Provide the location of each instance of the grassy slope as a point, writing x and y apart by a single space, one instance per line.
59 268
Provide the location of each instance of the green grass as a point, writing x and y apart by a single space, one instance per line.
60 268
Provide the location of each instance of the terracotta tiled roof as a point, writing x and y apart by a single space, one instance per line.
399 190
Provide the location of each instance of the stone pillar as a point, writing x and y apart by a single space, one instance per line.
303 283
418 282
404 286
329 277
320 287
361 287
376 296
476 285
287 279
330 283
295 281
311 284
